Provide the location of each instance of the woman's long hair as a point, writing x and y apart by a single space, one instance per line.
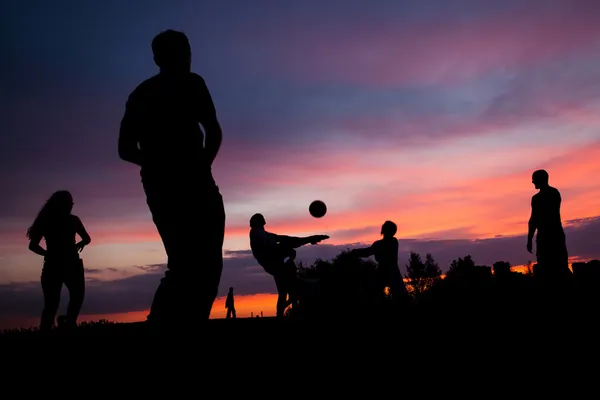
57 205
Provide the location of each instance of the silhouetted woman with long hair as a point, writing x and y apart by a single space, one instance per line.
62 264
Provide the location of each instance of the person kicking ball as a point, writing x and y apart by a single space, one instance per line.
271 251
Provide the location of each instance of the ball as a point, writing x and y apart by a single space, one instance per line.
317 209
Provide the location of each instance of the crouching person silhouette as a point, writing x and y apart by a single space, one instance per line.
385 251
271 251
62 264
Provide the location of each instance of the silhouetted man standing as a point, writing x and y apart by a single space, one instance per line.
161 133
229 305
551 248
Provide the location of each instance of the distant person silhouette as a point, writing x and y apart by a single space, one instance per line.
551 247
388 274
161 133
229 304
271 251
62 264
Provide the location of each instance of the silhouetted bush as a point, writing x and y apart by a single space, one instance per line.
345 288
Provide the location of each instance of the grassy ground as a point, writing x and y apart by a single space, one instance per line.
522 322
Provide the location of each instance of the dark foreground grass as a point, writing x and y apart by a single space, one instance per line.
508 325
482 352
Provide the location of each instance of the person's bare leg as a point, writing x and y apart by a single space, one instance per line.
282 301
282 304
51 288
75 283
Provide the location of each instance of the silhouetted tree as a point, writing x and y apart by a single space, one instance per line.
502 269
461 267
344 286
354 279
415 272
421 275
432 269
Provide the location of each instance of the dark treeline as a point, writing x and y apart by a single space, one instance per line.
346 287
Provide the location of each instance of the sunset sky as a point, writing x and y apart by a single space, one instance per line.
430 113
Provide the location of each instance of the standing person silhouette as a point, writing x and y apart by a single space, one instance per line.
385 251
551 248
271 251
161 133
229 304
62 264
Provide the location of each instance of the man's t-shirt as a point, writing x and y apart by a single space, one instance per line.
166 112
264 246
545 207
386 253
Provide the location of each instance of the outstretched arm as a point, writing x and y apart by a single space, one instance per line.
363 252
295 242
208 119
34 245
85 237
129 134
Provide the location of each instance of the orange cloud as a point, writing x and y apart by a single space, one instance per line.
484 207
476 207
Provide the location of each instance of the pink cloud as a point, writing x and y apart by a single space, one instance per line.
476 207
499 204
481 207
394 51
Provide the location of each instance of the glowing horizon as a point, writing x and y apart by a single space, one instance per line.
428 114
